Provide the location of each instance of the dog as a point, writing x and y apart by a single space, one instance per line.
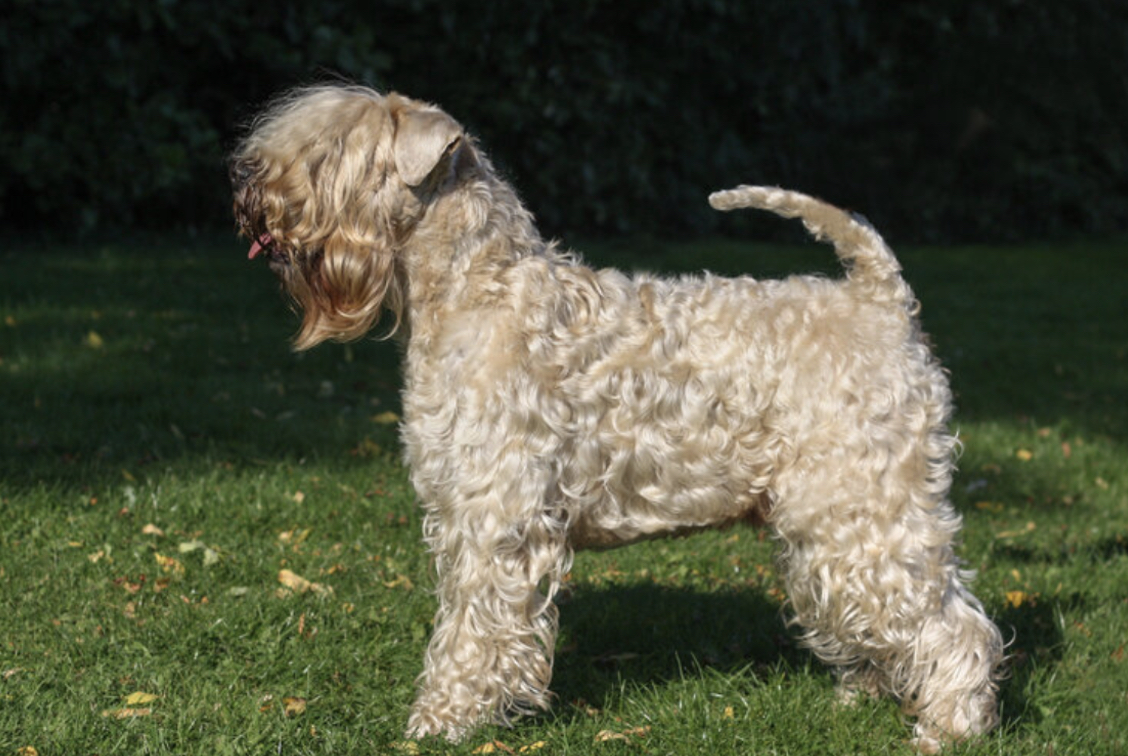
549 407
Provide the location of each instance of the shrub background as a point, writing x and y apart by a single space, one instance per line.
941 121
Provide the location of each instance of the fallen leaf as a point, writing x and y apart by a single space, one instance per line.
1024 455
1030 527
152 530
605 735
96 556
299 497
386 418
1066 449
169 564
27 751
129 585
730 713
532 747
309 634
94 341
9 673
126 713
294 536
139 698
293 706
400 581
1016 598
299 584
211 556
406 746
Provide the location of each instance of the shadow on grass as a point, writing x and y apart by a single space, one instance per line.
132 359
616 638
643 634
1034 642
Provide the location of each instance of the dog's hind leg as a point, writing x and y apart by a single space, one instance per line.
873 582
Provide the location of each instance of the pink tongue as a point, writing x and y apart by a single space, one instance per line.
258 245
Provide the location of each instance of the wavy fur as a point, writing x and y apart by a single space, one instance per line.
549 407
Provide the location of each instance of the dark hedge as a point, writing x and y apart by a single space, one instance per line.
940 120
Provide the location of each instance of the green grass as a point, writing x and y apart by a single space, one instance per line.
164 456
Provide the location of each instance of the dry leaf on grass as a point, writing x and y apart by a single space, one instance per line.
169 565
400 581
496 746
211 556
293 706
128 712
299 584
140 698
605 735
294 536
1030 527
1018 598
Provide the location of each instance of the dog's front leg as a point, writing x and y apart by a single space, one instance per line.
491 653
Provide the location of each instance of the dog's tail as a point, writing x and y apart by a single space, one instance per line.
871 266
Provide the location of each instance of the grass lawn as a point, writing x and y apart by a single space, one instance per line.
208 544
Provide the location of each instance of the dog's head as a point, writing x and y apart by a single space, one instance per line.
329 184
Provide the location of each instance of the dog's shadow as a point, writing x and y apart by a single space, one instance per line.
647 633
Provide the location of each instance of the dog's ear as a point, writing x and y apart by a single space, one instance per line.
423 139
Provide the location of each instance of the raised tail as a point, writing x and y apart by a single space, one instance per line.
871 266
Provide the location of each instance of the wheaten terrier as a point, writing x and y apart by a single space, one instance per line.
549 407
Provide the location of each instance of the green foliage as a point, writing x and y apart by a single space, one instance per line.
940 120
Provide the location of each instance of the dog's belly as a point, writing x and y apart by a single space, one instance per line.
625 483
609 526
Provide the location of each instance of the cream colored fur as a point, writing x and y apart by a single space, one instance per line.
550 407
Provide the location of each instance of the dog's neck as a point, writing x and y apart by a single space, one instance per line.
464 238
